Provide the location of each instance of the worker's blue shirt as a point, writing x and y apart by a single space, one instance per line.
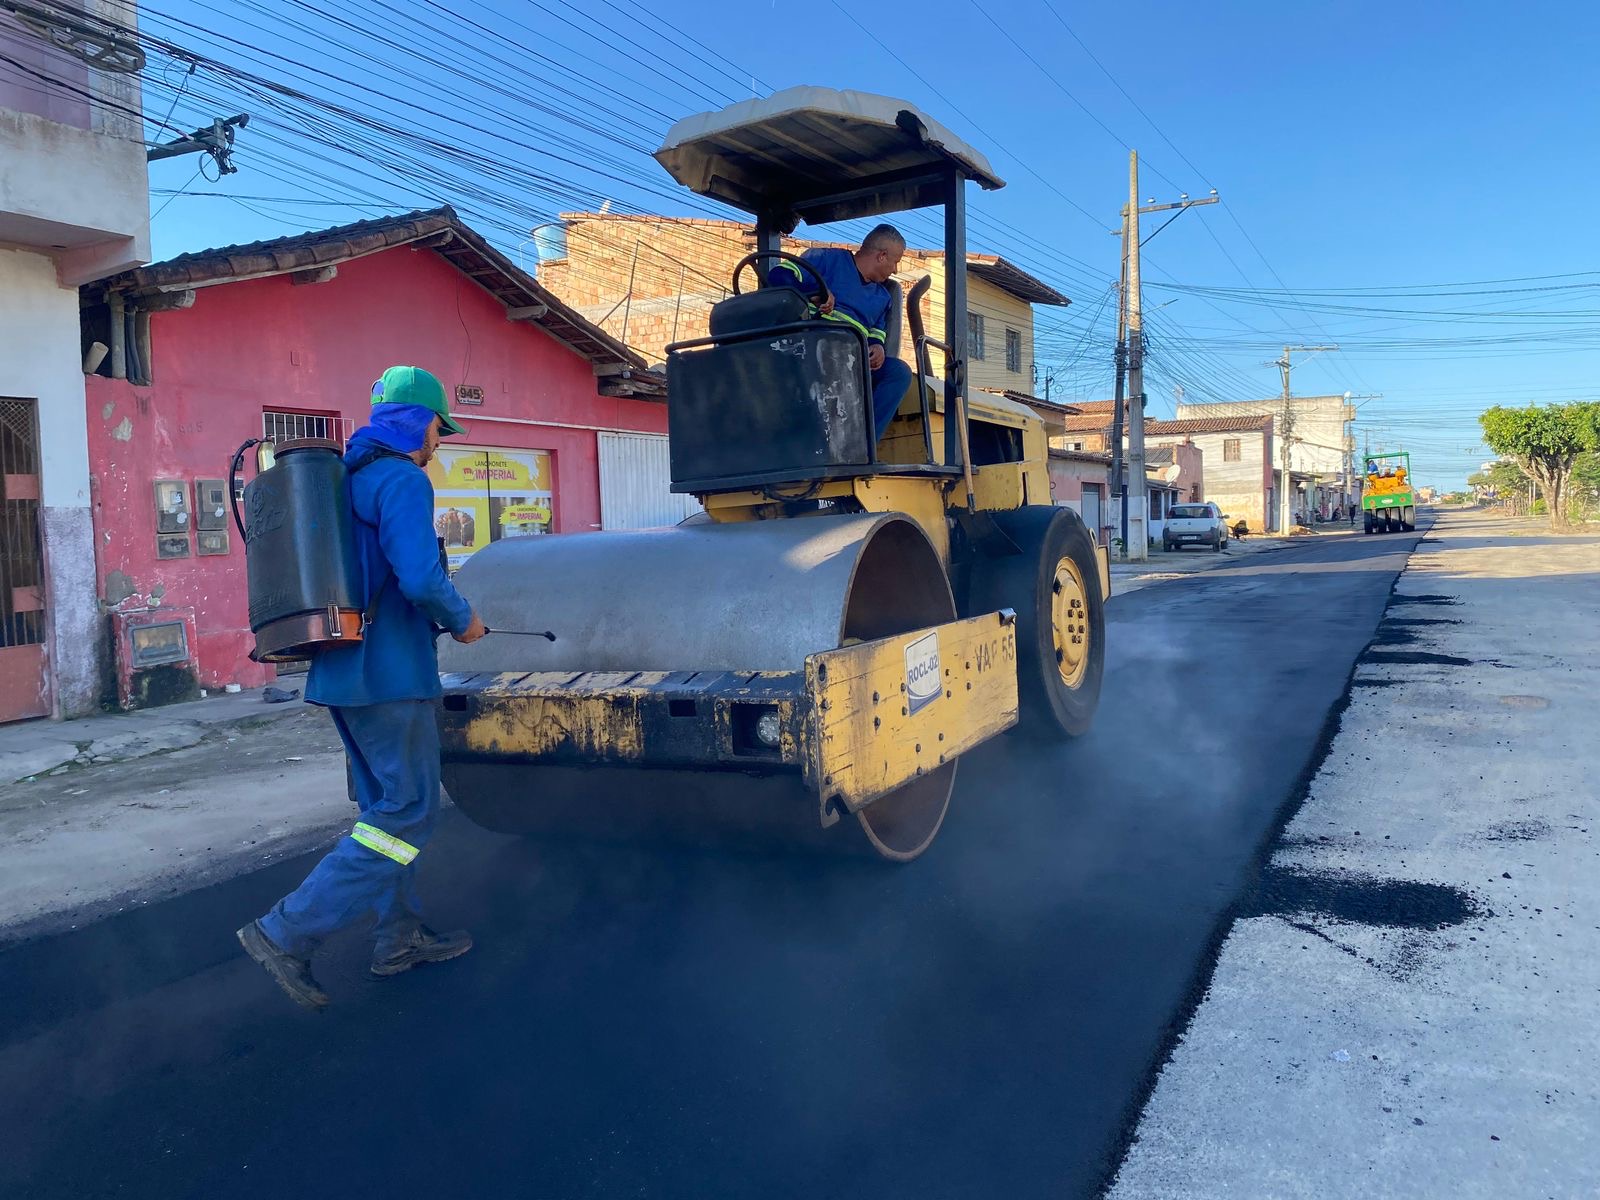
397 658
855 301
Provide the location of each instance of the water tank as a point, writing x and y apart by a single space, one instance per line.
300 554
550 242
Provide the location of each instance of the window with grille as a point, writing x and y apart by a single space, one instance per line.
1230 449
1014 351
974 335
281 426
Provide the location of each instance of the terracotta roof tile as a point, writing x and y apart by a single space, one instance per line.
1210 425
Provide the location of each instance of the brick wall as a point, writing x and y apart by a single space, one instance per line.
679 268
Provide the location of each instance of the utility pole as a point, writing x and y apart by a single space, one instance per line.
1285 365
1130 354
1136 539
215 140
1118 483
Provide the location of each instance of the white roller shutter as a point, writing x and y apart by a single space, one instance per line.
635 480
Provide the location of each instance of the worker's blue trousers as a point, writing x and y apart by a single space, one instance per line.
394 763
889 385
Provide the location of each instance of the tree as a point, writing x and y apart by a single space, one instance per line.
1546 442
1584 490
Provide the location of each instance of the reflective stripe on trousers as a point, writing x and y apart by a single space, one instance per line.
374 838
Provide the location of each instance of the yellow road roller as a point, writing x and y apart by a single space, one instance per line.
815 651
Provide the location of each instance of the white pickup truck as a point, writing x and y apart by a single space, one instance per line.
1195 525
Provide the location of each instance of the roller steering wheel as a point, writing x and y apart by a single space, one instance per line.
820 296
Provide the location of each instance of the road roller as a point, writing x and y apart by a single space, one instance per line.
811 655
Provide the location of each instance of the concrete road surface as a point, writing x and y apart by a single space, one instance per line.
648 1021
1409 1006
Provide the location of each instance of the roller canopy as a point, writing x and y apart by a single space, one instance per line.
820 155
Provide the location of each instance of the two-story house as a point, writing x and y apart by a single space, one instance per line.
650 281
74 207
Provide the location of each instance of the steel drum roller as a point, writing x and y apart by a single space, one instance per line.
755 596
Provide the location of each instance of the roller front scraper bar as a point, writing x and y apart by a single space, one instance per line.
855 723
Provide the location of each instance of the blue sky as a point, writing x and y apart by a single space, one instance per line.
1355 146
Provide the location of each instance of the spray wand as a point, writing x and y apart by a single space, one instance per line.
544 633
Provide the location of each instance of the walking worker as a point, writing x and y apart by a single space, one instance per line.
380 692
856 280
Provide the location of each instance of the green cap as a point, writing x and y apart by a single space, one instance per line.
413 385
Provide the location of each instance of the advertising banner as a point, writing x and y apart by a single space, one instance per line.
481 495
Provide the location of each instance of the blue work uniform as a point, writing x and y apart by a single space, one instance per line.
862 305
381 693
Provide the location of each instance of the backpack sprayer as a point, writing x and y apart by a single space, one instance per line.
304 574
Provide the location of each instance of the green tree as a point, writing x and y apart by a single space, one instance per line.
1546 442
1585 486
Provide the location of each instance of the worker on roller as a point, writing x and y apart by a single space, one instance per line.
860 299
380 692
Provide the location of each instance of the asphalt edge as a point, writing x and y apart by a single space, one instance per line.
244 861
1205 970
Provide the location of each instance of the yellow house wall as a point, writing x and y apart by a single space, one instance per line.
1000 310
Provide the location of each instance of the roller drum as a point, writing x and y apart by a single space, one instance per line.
756 596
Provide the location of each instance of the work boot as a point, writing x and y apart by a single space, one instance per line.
422 946
292 974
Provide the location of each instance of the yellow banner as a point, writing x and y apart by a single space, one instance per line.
482 495
497 470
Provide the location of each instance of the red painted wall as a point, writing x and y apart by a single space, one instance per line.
268 343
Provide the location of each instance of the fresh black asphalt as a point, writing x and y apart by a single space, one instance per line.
642 1021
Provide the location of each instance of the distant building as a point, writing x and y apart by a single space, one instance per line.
1237 453
1079 480
1314 445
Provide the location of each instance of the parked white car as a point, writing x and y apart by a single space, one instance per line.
1195 525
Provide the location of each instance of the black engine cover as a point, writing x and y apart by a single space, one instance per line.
773 404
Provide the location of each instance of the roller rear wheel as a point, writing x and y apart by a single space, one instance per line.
1054 587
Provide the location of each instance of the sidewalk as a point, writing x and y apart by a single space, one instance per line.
1163 565
29 749
238 784
1405 1006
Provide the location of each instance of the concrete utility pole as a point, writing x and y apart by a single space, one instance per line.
1130 352
1285 365
1118 489
1136 539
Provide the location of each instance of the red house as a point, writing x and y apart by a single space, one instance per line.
566 428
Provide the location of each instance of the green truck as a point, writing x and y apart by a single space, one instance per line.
1388 501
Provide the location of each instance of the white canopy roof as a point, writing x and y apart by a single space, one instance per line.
820 154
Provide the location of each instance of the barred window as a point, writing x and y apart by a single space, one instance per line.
974 335
1014 351
279 426
1230 449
